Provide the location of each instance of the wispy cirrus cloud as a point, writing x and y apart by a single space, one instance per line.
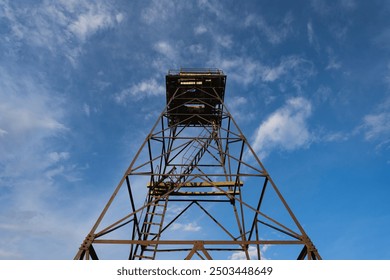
141 90
214 7
333 63
238 107
296 65
158 11
225 41
28 112
60 27
243 70
275 34
92 20
168 55
310 32
189 227
340 26
31 160
293 69
376 126
312 36
200 29
166 49
38 170
324 7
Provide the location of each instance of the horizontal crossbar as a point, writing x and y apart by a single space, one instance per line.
198 184
205 242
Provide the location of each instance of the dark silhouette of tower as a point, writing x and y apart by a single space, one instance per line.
208 196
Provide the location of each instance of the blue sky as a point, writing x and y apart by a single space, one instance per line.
82 82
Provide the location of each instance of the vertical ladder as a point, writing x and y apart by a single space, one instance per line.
152 225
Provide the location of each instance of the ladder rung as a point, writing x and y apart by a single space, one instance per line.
153 213
143 257
150 250
151 223
149 233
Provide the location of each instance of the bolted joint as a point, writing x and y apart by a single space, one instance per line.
310 248
87 242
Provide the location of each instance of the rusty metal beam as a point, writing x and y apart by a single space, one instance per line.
196 153
205 242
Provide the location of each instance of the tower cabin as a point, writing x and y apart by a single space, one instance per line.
195 97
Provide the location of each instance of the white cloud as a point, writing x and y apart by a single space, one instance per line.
275 34
333 137
348 4
86 109
213 7
30 116
46 28
165 49
313 40
31 200
87 24
147 88
376 125
243 70
320 6
197 49
60 27
190 227
296 68
271 74
57 156
158 11
238 107
119 17
3 132
224 40
88 18
238 101
324 7
310 32
333 62
285 129
252 251
341 23
387 75
200 29
27 111
246 70
170 56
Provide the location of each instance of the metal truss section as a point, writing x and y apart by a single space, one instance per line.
208 195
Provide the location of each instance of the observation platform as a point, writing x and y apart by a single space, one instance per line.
195 96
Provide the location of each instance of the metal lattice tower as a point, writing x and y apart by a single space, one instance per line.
208 196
